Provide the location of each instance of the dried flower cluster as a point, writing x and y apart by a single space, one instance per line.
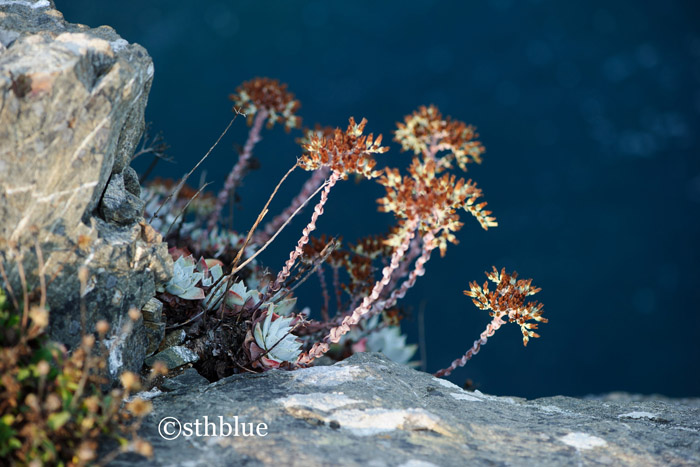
270 96
433 199
426 132
508 300
346 152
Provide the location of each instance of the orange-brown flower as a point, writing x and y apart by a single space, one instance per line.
318 130
426 132
433 199
508 300
271 96
345 152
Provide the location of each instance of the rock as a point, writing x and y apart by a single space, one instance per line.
186 381
86 89
153 311
131 181
154 333
369 410
119 205
72 101
173 338
173 357
127 346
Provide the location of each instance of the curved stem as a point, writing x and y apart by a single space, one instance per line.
337 332
491 328
418 271
272 239
316 180
310 227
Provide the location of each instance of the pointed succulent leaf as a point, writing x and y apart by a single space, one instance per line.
234 299
194 293
283 307
275 338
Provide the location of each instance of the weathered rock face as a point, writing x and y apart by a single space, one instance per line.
369 410
72 105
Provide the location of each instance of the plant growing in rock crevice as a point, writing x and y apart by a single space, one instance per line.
244 319
53 410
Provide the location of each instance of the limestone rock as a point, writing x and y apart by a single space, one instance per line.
72 101
173 338
369 410
154 333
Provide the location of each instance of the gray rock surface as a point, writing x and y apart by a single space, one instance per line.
119 205
368 410
173 357
185 381
71 113
152 313
72 101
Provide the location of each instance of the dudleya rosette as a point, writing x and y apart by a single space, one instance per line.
184 281
274 337
392 343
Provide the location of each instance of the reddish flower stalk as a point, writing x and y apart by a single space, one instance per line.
491 328
236 174
358 313
418 271
310 227
507 300
315 181
344 153
414 250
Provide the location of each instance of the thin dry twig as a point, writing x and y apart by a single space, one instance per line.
42 279
9 286
261 249
182 211
262 214
184 179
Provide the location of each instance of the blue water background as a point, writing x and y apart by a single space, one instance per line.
589 111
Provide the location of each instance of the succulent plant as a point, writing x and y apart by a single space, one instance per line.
185 280
275 338
237 295
211 270
283 307
391 343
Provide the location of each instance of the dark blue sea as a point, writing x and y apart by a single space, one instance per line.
589 111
